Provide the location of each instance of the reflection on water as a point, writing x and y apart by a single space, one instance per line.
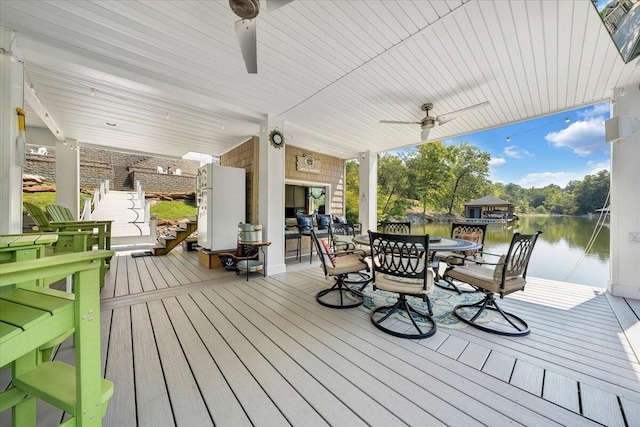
559 249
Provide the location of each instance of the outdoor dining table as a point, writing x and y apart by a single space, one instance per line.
436 244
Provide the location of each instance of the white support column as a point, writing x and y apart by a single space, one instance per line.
271 195
68 175
368 191
624 277
11 151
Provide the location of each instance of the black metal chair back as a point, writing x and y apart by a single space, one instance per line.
472 232
517 259
339 267
322 253
509 275
341 236
466 231
399 255
403 227
400 265
342 229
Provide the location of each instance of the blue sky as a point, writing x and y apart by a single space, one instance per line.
548 150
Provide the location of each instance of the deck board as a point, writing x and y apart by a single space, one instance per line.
133 276
528 377
157 279
487 390
108 289
474 355
561 391
186 399
223 406
254 399
348 363
121 283
200 347
499 365
388 369
152 401
119 369
164 271
239 333
601 406
146 281
175 272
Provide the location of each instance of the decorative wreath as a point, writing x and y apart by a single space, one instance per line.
276 138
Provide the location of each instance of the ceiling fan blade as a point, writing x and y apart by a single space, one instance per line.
276 4
424 135
443 118
246 33
394 122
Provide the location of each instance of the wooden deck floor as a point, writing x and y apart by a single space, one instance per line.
189 346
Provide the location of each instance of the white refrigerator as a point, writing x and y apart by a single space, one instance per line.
221 199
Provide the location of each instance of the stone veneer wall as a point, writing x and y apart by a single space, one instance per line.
246 156
332 171
154 182
97 165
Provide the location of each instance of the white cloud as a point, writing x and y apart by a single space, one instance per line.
497 162
603 109
516 153
596 167
583 137
542 179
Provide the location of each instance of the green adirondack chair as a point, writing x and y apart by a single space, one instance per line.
62 214
30 317
101 230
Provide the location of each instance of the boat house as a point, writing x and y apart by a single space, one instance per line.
490 209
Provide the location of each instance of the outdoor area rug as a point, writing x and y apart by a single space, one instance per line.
442 302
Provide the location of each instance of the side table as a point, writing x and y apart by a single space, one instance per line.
254 265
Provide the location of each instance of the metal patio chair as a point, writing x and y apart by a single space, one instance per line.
400 265
508 275
339 266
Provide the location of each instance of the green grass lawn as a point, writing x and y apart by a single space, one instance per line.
41 200
176 209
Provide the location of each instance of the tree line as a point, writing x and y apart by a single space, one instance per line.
438 178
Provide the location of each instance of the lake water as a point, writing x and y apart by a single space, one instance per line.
559 252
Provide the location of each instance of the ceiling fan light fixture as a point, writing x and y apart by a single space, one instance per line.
424 135
245 9
428 123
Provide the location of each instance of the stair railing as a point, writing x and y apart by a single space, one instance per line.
86 210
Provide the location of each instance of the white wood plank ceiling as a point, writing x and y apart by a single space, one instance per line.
330 69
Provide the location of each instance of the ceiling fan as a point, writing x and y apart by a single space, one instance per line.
248 10
428 122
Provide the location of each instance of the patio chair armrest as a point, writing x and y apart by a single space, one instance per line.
344 246
463 258
78 225
360 252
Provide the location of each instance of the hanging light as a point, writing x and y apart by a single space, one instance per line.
508 138
567 120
